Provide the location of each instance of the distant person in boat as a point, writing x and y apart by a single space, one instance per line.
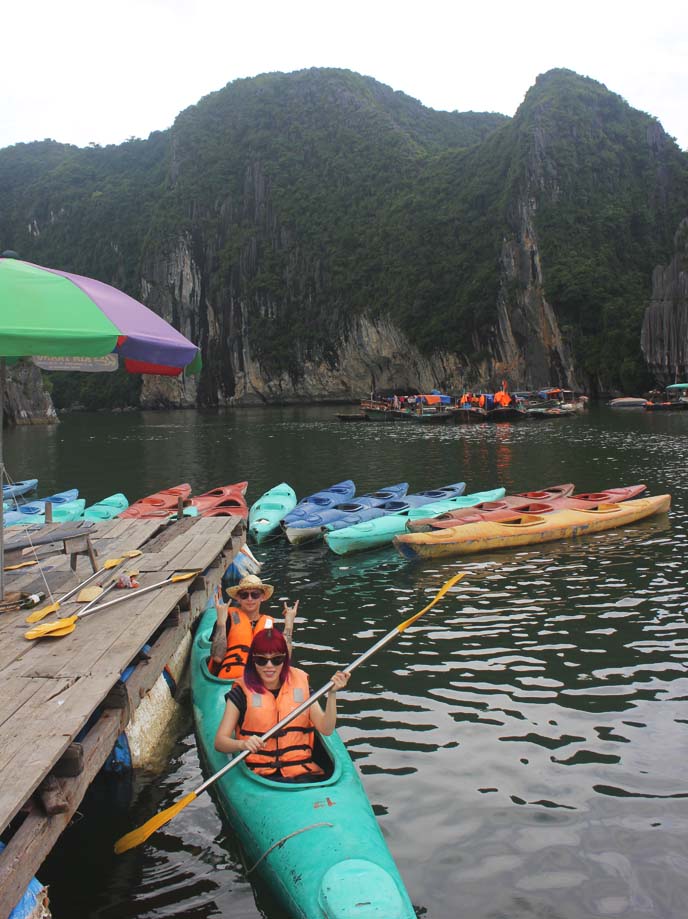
238 623
268 691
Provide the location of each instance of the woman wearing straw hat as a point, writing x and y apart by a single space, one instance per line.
237 624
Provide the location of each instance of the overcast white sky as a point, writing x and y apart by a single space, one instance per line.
82 71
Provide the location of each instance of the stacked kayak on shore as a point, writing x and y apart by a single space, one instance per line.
523 529
317 845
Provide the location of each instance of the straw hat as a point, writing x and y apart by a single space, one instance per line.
251 582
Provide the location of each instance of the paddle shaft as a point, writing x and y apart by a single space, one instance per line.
137 593
106 567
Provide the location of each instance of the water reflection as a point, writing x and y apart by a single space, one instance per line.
521 745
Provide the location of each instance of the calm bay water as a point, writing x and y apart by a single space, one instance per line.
524 749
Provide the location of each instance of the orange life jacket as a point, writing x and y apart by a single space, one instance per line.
291 749
240 634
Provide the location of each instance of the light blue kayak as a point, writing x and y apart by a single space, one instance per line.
38 507
16 489
313 525
328 497
317 845
373 534
62 513
107 508
265 515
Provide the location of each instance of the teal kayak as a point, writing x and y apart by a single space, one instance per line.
265 515
317 846
107 508
372 534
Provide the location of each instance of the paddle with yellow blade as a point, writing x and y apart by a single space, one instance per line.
67 624
111 563
136 837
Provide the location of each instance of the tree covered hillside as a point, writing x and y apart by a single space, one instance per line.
307 199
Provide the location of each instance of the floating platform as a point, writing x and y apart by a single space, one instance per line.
64 701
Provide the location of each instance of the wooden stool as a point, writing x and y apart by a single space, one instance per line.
79 545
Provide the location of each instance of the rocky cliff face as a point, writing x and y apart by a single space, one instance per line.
366 353
664 339
26 402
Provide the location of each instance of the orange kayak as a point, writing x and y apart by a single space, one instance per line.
527 529
160 504
500 510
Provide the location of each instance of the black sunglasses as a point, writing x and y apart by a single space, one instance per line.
253 594
261 661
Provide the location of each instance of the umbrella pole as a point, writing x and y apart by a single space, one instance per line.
2 480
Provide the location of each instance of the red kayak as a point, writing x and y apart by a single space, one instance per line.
515 504
546 494
160 504
230 507
223 496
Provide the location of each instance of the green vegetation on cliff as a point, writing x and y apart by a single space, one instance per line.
308 198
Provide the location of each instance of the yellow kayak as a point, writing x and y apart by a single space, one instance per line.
527 529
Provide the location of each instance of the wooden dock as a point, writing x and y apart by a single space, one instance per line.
50 688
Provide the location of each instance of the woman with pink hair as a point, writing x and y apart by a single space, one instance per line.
268 691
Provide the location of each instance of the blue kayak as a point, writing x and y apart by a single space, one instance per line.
319 501
397 506
317 846
62 513
312 526
16 489
38 507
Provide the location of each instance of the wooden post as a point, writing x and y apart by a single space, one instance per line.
48 511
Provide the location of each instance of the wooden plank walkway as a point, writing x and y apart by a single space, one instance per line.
51 687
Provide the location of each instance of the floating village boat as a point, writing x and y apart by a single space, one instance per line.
628 402
364 508
527 529
373 534
320 500
17 489
317 846
675 399
160 504
108 508
265 515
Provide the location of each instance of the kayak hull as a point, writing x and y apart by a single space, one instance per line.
231 496
265 515
16 489
317 846
320 500
526 530
367 507
62 513
107 508
160 504
512 504
373 534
